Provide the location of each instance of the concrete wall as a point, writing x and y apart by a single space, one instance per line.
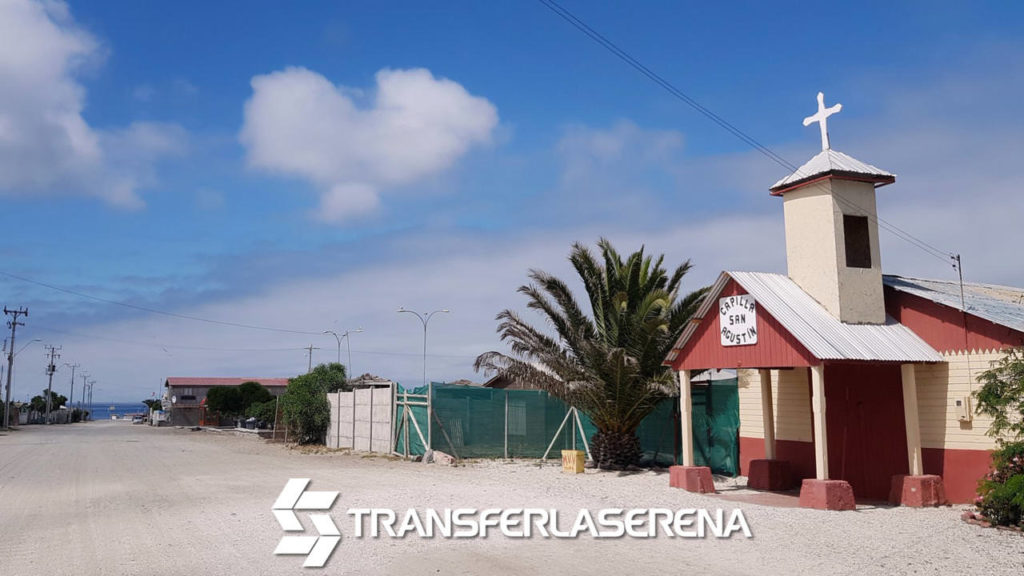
816 249
811 242
362 419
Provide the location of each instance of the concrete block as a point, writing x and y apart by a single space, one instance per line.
918 491
692 479
827 495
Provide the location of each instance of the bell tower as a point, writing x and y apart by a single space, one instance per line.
831 221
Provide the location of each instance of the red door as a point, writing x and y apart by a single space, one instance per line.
867 437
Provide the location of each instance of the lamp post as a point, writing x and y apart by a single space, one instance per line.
348 344
10 374
425 319
71 401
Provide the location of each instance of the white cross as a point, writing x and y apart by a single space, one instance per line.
821 117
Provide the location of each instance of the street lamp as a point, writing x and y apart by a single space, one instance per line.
71 401
348 344
92 384
425 319
10 373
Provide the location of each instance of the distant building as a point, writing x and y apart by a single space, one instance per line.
185 398
370 381
504 382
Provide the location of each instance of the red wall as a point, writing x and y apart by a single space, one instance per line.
960 470
800 456
867 436
775 348
942 327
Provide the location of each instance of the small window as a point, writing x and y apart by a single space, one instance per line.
858 241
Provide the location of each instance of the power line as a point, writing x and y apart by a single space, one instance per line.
600 39
154 310
159 345
214 349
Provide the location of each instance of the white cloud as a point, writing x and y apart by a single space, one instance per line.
592 154
46 146
476 276
300 124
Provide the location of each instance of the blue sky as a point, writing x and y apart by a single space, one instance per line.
258 166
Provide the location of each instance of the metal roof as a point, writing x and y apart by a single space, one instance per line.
199 382
824 336
1000 305
828 162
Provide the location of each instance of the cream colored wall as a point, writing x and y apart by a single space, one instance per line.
860 289
816 249
938 387
791 401
811 243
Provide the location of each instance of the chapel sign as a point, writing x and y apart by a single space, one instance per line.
737 320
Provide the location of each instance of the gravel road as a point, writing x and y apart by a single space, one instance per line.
111 498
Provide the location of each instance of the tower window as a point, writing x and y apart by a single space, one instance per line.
858 241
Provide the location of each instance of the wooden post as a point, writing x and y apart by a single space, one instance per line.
818 412
686 417
391 424
911 419
430 412
370 443
506 424
767 413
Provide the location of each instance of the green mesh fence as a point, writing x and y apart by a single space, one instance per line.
716 425
474 422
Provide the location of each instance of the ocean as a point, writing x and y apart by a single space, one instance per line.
103 410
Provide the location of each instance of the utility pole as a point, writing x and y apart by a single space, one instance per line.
310 348
92 384
50 369
13 325
84 376
71 401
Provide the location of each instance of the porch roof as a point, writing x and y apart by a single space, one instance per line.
823 335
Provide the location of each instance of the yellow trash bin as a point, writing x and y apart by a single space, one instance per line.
572 461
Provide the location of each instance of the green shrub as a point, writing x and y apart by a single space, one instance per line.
1001 492
226 400
304 405
264 411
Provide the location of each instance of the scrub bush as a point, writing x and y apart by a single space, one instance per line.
1001 493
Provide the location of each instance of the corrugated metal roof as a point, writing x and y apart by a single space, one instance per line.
190 381
1000 305
828 161
815 328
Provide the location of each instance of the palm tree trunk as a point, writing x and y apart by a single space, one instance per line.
615 450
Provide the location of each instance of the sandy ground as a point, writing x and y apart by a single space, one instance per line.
112 498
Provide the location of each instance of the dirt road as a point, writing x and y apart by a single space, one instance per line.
112 498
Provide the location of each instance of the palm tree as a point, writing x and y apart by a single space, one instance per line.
609 363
